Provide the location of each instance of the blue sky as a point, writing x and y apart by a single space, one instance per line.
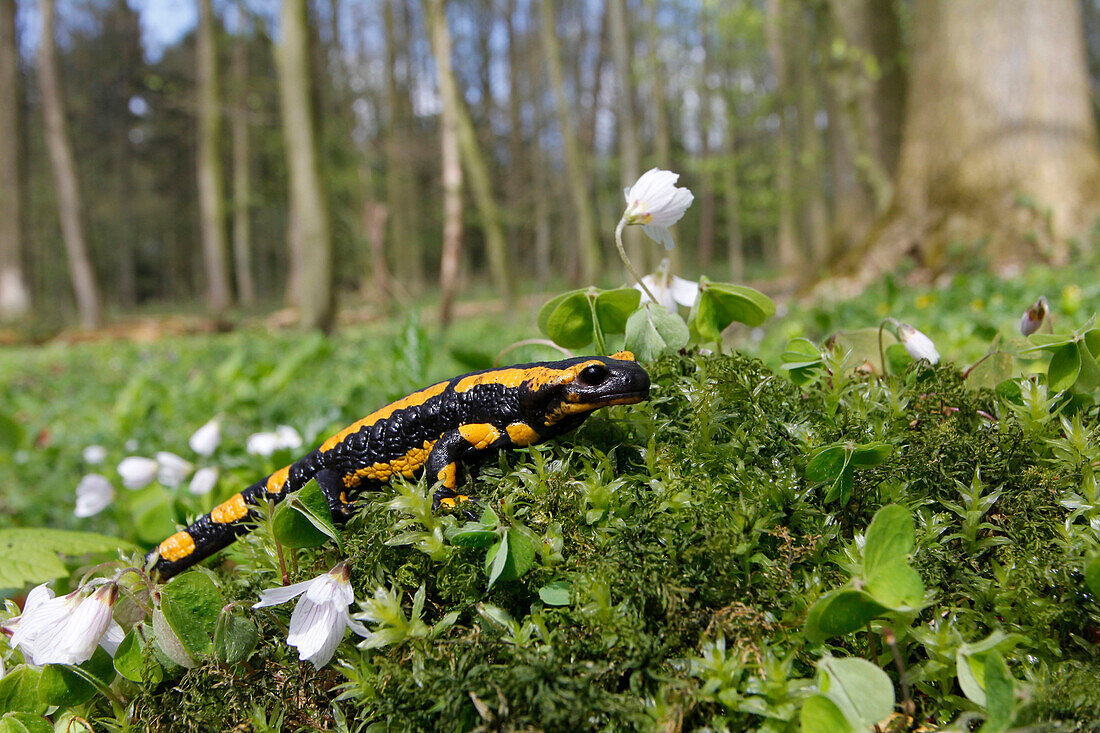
164 22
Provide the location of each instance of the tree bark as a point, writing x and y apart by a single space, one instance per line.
476 168
404 243
15 299
211 187
999 142
70 207
787 248
311 238
811 153
629 150
587 243
662 144
242 179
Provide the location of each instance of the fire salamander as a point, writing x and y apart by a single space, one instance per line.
433 429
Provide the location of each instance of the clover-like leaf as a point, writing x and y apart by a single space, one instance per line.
840 612
652 330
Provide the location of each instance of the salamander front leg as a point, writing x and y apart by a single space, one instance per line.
442 468
332 486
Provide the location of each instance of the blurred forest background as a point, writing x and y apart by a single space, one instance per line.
236 156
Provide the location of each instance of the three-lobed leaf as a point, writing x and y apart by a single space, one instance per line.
304 519
190 604
33 555
840 612
652 330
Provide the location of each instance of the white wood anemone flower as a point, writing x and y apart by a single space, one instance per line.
206 439
94 493
655 202
669 289
94 455
68 629
204 481
917 344
321 616
137 472
172 470
264 444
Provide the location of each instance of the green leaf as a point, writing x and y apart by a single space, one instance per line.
191 604
135 661
154 520
303 519
19 690
172 651
897 358
652 330
31 555
870 454
61 685
1092 576
896 585
1065 366
1000 694
819 714
1049 341
613 308
840 612
569 322
511 558
496 559
1089 379
841 489
995 369
827 463
550 306
862 691
734 303
889 537
556 593
475 536
862 344
24 723
234 638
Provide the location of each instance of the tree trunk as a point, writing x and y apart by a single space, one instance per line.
735 247
404 242
69 203
211 188
810 183
662 144
311 238
242 179
477 168
451 164
999 142
576 174
787 248
629 150
15 299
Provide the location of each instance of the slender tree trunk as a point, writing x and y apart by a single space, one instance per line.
629 150
735 248
242 179
518 168
451 255
810 183
587 244
64 170
311 231
786 246
662 145
705 171
15 299
211 187
404 244
476 167
999 143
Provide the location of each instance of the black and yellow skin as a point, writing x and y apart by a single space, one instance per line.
434 430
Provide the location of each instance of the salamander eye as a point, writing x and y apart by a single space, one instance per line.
593 376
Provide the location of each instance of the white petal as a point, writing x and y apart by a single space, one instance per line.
112 638
917 344
204 481
357 627
137 471
262 444
684 291
316 630
78 638
281 594
95 454
205 440
93 494
172 469
288 437
659 234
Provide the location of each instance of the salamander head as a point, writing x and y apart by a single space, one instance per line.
576 387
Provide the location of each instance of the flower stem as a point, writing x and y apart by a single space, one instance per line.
626 260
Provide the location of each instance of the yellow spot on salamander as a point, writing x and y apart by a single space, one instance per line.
277 480
572 409
414 400
230 510
452 501
448 475
522 434
407 465
480 435
176 547
623 356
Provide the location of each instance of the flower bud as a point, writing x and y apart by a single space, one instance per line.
1034 316
917 344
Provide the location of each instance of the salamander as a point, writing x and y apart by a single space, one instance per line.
433 430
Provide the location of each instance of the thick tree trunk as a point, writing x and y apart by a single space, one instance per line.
810 184
310 232
403 241
577 176
15 299
735 247
999 142
662 144
476 166
242 179
211 187
69 203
